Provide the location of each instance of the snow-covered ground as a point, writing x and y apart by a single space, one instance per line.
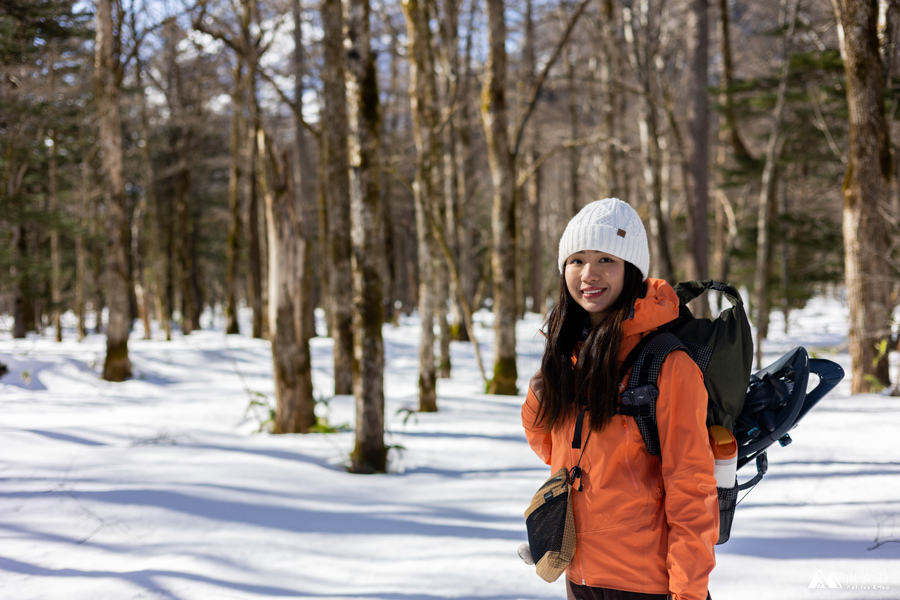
160 487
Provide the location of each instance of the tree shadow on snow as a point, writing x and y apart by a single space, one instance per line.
794 548
147 578
417 521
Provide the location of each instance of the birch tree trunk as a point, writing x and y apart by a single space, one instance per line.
369 453
117 366
502 166
866 237
337 188
423 98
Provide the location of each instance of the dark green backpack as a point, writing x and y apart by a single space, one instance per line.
721 347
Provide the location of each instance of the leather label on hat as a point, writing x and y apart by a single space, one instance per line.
621 233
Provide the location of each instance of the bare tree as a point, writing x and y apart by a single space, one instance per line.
244 38
235 204
337 191
502 155
288 278
117 366
369 453
423 97
53 184
767 192
866 237
698 196
642 31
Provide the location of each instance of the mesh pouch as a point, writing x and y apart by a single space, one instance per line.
551 527
727 504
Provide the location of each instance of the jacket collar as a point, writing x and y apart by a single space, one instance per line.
656 308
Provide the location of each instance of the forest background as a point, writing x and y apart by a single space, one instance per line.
377 158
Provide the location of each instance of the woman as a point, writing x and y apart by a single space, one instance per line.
646 526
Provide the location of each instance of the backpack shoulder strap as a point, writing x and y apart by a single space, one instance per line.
639 399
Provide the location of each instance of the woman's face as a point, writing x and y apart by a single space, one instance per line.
595 280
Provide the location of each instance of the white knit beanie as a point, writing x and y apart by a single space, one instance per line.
609 226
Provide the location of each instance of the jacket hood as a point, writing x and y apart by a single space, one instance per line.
656 308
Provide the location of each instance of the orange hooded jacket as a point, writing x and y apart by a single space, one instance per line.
643 523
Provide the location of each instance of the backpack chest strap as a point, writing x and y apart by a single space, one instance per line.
640 397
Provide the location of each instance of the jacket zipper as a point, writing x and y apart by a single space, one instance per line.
627 448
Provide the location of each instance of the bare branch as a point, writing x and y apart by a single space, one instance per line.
295 106
539 82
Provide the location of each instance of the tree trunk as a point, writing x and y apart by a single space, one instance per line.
535 207
254 249
866 237
396 292
138 251
451 99
81 249
97 249
609 101
338 190
117 366
288 276
466 267
767 197
55 259
235 175
728 111
503 260
441 297
423 97
642 33
303 181
369 453
322 197
531 193
152 260
698 198
22 304
184 218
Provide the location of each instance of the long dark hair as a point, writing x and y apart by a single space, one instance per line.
594 379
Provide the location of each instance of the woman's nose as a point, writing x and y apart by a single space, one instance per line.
590 272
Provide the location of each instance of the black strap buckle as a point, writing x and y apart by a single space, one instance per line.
640 397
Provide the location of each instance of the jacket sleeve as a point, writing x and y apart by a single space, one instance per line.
538 438
687 464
